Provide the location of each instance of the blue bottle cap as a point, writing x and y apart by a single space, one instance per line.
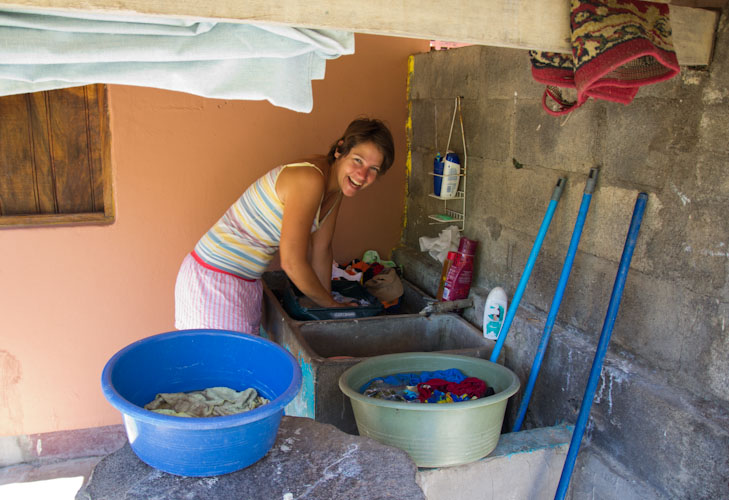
452 157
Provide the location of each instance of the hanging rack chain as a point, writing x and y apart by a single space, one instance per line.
463 136
453 120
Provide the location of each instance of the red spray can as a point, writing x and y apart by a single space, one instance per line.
460 274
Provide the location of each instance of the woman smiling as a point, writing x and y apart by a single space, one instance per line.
291 208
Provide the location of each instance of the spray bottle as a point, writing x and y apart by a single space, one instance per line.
459 276
447 263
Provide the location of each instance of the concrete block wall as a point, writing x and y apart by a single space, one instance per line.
535 457
660 416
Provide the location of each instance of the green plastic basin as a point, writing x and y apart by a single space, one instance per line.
434 435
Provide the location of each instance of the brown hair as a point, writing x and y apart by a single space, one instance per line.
366 130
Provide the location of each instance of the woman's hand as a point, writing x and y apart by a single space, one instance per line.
353 303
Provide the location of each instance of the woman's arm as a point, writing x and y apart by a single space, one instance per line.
322 255
301 190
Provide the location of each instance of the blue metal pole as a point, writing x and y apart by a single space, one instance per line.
556 194
602 345
558 295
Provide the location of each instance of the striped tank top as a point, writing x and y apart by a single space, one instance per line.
247 236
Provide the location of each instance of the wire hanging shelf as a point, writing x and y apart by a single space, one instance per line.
454 207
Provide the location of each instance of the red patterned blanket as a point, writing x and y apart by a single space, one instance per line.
617 46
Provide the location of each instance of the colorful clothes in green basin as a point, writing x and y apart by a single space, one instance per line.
442 386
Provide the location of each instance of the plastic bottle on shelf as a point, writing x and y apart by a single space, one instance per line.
438 171
451 175
459 276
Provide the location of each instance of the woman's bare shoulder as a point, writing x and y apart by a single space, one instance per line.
319 161
300 176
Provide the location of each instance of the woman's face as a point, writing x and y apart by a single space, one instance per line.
358 168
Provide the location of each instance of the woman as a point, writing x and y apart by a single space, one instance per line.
290 209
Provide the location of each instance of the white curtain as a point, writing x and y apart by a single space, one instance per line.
51 50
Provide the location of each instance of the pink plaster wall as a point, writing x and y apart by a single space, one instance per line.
72 296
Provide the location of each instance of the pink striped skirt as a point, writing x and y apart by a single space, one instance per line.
205 298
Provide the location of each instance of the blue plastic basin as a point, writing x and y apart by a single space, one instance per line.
189 360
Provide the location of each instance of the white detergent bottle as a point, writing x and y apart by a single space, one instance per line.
451 175
494 312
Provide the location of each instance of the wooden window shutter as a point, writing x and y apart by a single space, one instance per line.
55 158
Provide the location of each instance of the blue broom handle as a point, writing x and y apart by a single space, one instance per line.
556 194
602 346
558 295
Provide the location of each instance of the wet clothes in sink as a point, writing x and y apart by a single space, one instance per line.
379 277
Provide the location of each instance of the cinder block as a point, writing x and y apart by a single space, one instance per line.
713 126
571 143
423 113
447 73
506 73
524 465
489 125
648 158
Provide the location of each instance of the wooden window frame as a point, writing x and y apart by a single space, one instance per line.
96 123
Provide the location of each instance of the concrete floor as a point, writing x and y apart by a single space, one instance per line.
57 480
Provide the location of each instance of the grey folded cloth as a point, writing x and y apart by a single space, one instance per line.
211 402
386 285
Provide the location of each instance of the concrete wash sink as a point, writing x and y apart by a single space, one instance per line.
326 348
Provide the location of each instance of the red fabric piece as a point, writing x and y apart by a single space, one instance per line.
424 392
474 387
425 389
359 265
376 268
471 386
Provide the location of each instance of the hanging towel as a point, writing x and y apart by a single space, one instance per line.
617 46
218 60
